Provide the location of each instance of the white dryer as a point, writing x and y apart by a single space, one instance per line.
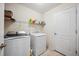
38 43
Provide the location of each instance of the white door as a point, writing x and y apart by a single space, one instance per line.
78 29
1 27
64 31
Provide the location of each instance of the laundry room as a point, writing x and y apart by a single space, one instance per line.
39 29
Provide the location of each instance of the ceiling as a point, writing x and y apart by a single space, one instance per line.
41 7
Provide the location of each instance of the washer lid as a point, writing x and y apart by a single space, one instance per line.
16 37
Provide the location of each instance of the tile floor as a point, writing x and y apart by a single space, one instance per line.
51 53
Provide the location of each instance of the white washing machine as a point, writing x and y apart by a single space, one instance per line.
38 43
17 46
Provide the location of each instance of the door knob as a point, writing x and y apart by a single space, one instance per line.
55 33
2 45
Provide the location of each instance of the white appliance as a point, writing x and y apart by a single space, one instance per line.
17 46
38 43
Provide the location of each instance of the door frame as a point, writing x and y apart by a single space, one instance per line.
1 28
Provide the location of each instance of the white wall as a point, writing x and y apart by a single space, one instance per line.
49 18
21 14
